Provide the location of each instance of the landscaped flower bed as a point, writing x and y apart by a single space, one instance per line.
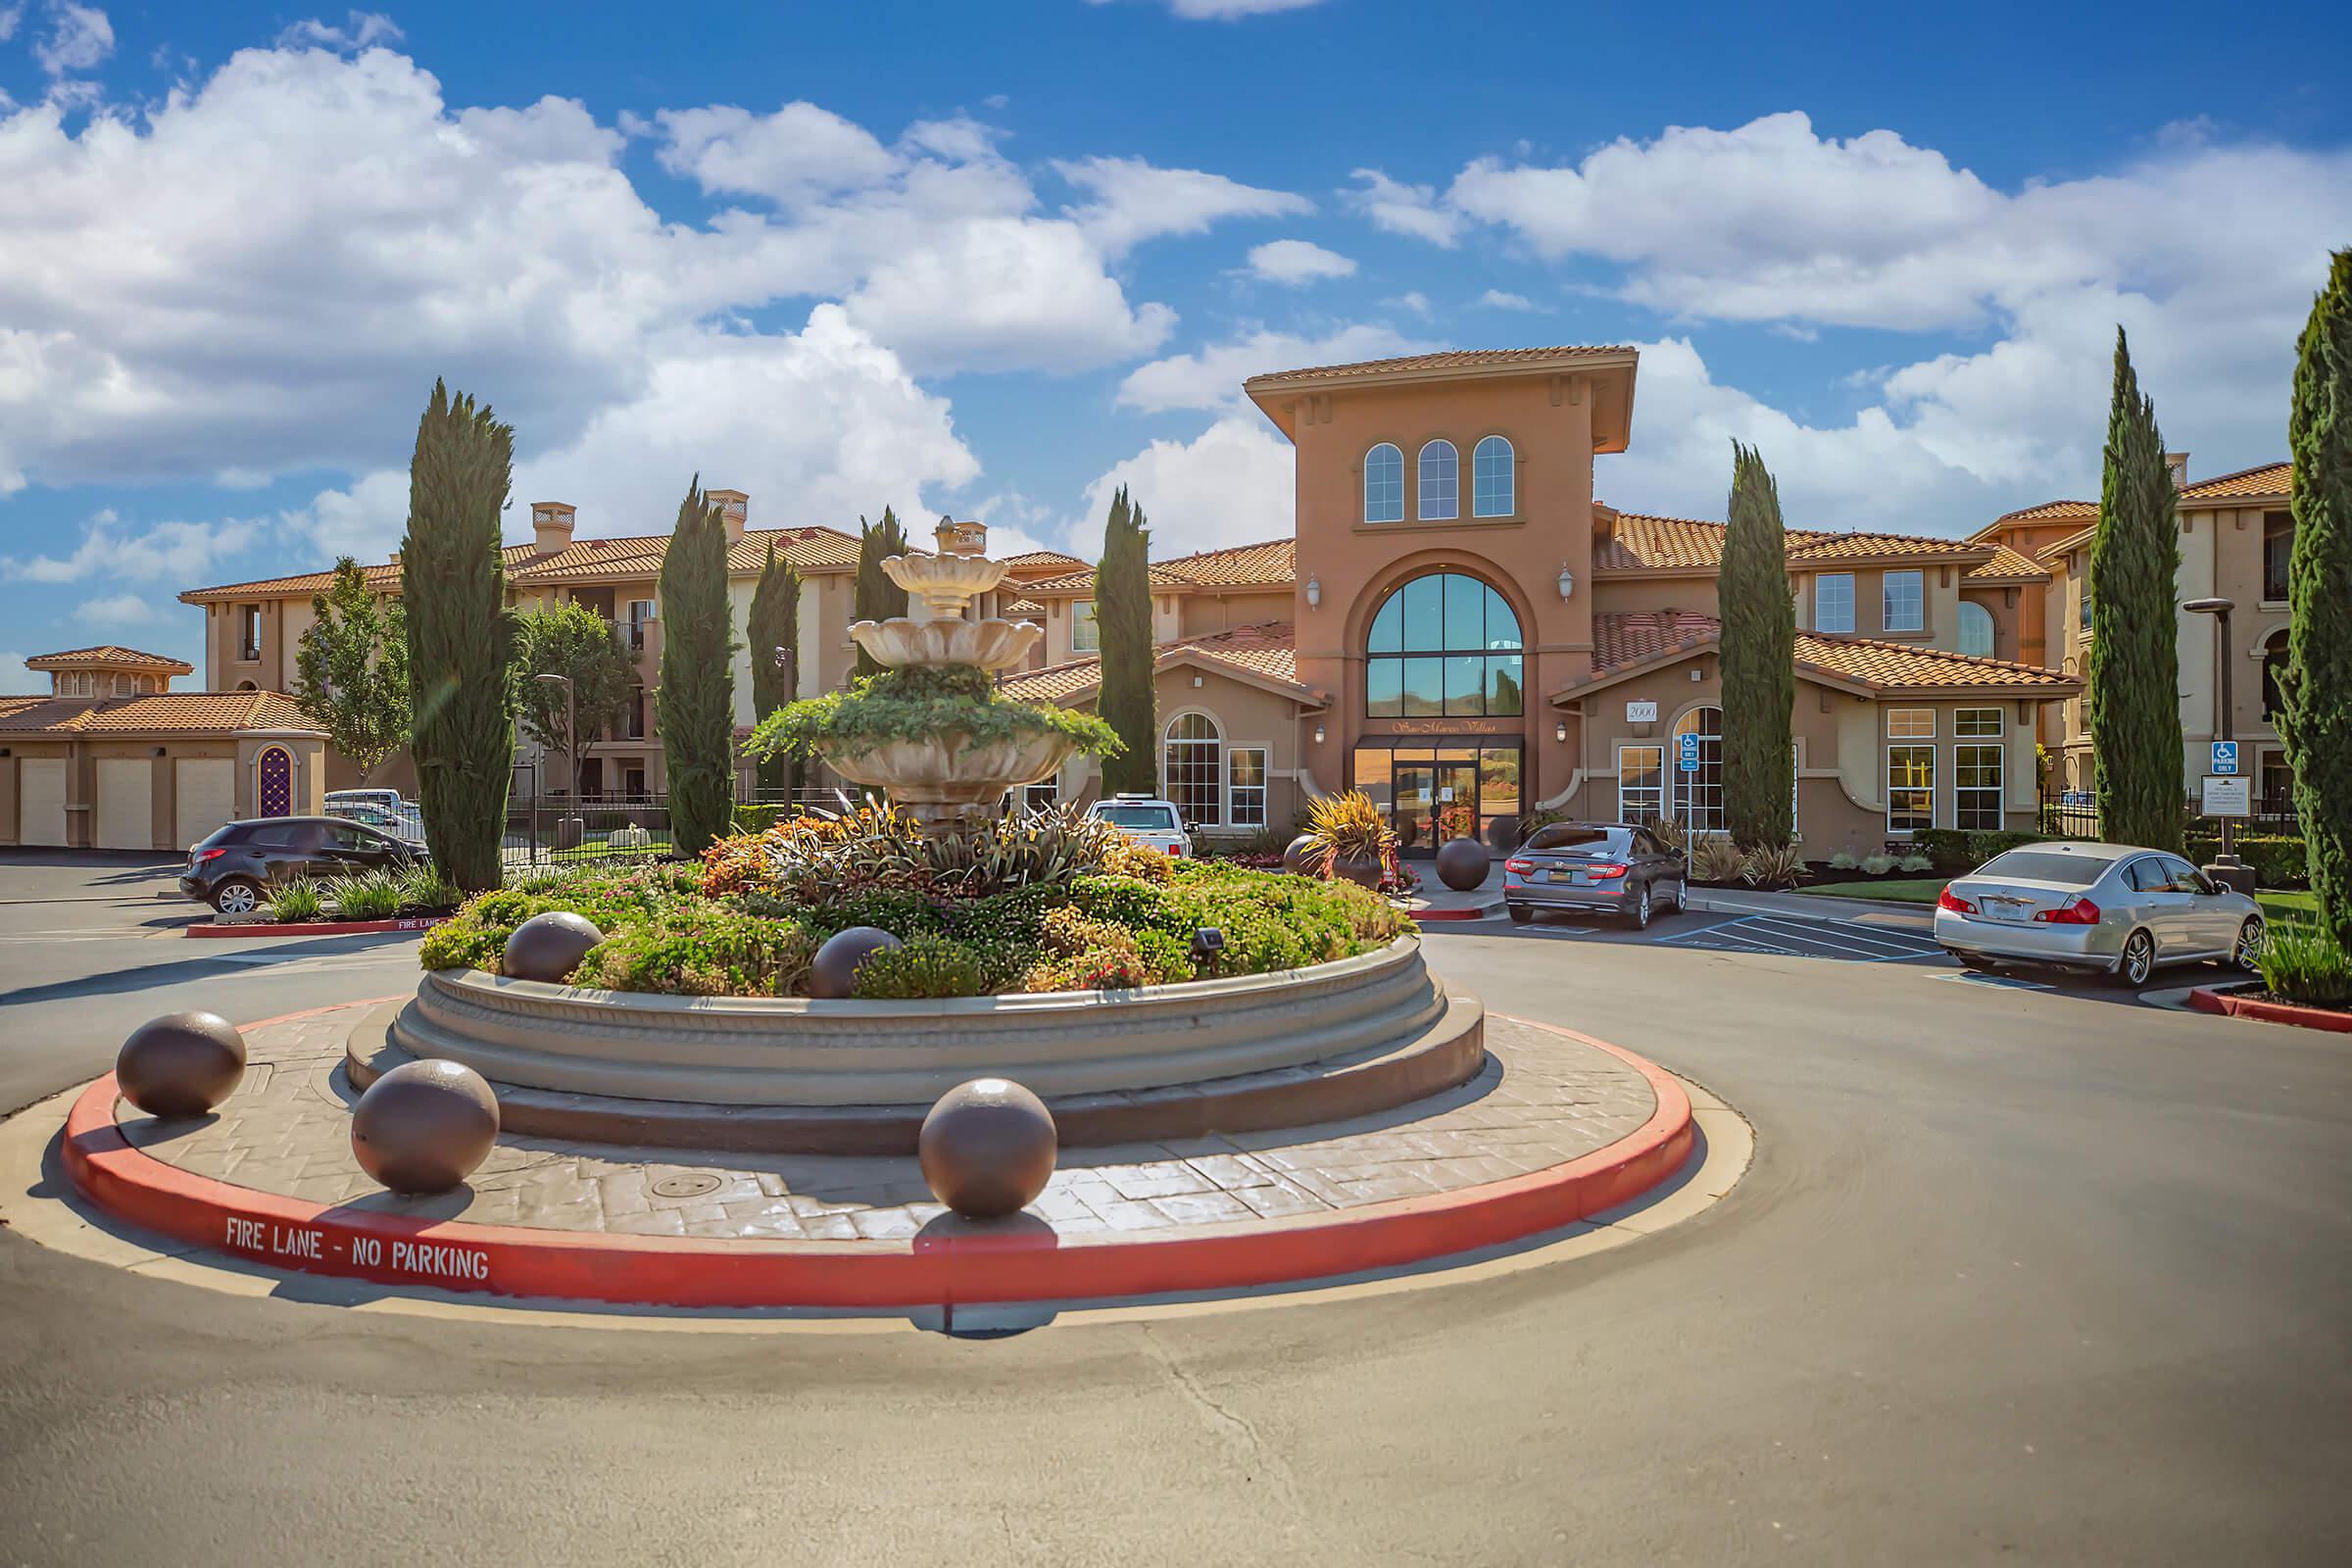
1051 902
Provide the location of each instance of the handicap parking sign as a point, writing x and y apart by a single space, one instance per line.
2224 758
1690 753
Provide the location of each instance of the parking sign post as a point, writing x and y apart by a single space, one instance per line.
1687 759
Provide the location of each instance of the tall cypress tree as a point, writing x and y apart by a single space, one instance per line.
2135 683
775 623
2316 688
1759 659
461 635
696 700
1128 701
877 597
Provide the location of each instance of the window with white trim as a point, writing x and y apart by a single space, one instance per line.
1977 637
1906 602
1977 787
1041 795
1190 753
1086 637
1977 724
1833 601
1440 482
1493 479
1640 783
1910 723
1910 788
1384 484
1246 779
1699 800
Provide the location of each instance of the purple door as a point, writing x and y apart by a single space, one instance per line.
275 795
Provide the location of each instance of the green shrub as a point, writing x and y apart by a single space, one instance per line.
424 890
367 896
2278 859
922 967
475 937
297 902
702 949
2302 963
1877 864
1772 866
1717 859
1916 864
759 819
1845 860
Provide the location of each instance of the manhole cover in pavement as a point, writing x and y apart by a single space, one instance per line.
686 1184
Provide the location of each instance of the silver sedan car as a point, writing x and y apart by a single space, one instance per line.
2107 909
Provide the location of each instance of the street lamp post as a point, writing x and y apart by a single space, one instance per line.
568 829
2225 869
782 658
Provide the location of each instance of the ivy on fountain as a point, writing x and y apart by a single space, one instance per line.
919 703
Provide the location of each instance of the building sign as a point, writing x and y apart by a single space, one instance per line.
1640 712
2228 796
1441 726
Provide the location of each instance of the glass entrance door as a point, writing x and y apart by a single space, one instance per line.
1435 800
1431 793
1416 805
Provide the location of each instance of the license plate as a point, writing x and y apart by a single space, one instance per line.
1568 876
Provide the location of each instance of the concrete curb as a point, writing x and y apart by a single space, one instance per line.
313 928
1485 911
960 1263
2205 998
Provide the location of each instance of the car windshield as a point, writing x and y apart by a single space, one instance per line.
1567 838
2043 865
1137 818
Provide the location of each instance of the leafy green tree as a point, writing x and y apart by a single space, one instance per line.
461 635
697 695
1128 700
351 670
1759 659
775 637
877 597
574 642
2315 720
2134 680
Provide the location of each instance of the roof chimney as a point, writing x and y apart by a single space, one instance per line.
551 526
735 509
961 538
2178 463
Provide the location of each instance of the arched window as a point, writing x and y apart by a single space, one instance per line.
1440 482
1191 763
1975 629
2273 662
1493 479
1384 484
1442 644
1699 799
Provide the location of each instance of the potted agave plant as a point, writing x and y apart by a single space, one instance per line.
1348 837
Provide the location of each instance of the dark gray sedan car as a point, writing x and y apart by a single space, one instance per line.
1602 867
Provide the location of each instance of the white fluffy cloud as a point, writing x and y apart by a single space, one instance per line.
170 552
1211 378
78 39
792 156
1297 262
1133 201
360 30
117 610
1403 209
1496 299
1230 485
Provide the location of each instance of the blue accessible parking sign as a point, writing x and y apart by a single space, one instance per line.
1690 753
2224 758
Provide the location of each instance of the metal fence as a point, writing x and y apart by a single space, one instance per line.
2075 815
553 830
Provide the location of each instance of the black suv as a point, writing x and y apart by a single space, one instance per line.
234 870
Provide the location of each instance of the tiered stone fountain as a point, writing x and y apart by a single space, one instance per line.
944 781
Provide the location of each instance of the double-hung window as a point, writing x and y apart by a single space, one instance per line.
1977 787
1833 601
1910 788
1246 792
1085 636
1906 602
1640 783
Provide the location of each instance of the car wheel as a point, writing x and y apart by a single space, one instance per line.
238 895
1521 913
1642 909
2252 938
2138 960
1681 897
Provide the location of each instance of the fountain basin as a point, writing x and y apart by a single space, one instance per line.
946 584
944 780
991 645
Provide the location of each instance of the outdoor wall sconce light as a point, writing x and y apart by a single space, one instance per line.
1559 731
1318 738
1567 580
1314 593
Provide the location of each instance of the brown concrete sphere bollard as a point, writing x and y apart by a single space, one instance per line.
987 1147
1364 870
548 947
1462 864
182 1064
833 972
1297 856
424 1126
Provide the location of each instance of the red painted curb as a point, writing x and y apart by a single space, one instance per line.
315 928
1425 916
2324 1020
944 1269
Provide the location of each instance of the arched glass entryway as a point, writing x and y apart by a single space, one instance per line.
1444 657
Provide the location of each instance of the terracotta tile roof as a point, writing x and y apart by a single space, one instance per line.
1641 543
109 656
2269 479
1273 564
1810 547
1041 563
1446 360
183 713
1023 606
2007 565
1266 651
2051 512
384 575
2068 545
1622 642
639 557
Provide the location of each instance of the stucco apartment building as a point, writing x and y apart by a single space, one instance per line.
2236 540
253 630
1460 629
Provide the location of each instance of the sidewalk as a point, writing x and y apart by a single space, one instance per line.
1438 902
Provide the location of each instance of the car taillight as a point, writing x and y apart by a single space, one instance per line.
207 854
1519 865
2076 911
1949 899
1605 873
1176 850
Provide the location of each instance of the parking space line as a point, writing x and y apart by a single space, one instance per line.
1877 944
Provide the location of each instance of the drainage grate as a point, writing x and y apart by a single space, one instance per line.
686 1184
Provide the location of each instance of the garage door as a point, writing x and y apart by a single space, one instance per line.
41 801
206 791
126 803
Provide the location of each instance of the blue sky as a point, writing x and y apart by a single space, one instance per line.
996 260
